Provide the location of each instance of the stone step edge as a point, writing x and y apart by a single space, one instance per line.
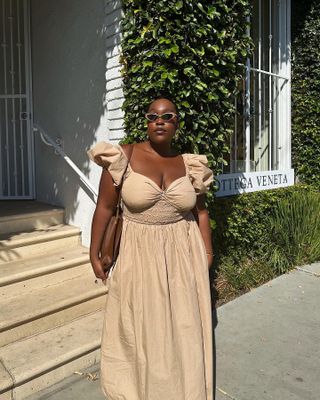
73 355
41 238
42 213
59 266
15 381
62 305
68 381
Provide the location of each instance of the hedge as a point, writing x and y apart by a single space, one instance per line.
258 236
241 224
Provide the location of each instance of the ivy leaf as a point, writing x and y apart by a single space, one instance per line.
200 51
164 40
175 49
212 12
189 71
213 96
199 86
200 6
178 5
147 63
138 40
146 29
135 68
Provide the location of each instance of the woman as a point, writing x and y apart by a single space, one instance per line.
157 333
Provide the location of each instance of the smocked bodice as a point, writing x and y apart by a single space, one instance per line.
160 213
144 201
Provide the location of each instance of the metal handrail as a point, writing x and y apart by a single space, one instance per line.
50 142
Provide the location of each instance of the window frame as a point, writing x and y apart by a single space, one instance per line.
279 113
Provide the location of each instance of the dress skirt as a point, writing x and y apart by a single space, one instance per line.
157 333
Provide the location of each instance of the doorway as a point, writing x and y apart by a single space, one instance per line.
16 138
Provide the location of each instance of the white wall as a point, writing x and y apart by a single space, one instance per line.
77 96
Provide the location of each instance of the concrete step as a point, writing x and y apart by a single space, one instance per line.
22 216
32 285
16 246
39 361
83 385
49 306
26 274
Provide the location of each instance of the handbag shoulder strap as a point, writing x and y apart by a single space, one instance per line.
129 158
124 172
130 152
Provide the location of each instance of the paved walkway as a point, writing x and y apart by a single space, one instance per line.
268 345
268 341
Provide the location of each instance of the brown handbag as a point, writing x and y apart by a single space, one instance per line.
111 239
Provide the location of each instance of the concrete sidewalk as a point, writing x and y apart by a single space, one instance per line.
268 345
268 341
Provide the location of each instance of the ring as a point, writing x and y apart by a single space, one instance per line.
96 281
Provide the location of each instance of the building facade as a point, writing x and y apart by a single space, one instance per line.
60 84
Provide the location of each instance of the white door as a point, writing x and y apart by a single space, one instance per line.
16 141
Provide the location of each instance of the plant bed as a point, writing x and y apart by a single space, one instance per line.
259 236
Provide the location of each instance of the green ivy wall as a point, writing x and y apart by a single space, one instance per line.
189 51
306 91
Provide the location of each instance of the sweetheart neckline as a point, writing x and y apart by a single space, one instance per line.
154 183
151 180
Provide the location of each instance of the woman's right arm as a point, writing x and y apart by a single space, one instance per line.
106 205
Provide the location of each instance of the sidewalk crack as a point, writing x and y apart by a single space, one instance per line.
308 272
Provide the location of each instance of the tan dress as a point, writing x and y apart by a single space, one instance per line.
157 333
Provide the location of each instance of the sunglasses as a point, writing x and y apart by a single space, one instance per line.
165 117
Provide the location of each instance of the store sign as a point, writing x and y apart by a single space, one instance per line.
244 182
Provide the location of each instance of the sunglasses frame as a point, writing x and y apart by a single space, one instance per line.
160 116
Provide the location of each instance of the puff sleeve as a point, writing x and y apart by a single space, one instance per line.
111 157
200 175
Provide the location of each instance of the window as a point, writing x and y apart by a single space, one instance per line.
261 137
